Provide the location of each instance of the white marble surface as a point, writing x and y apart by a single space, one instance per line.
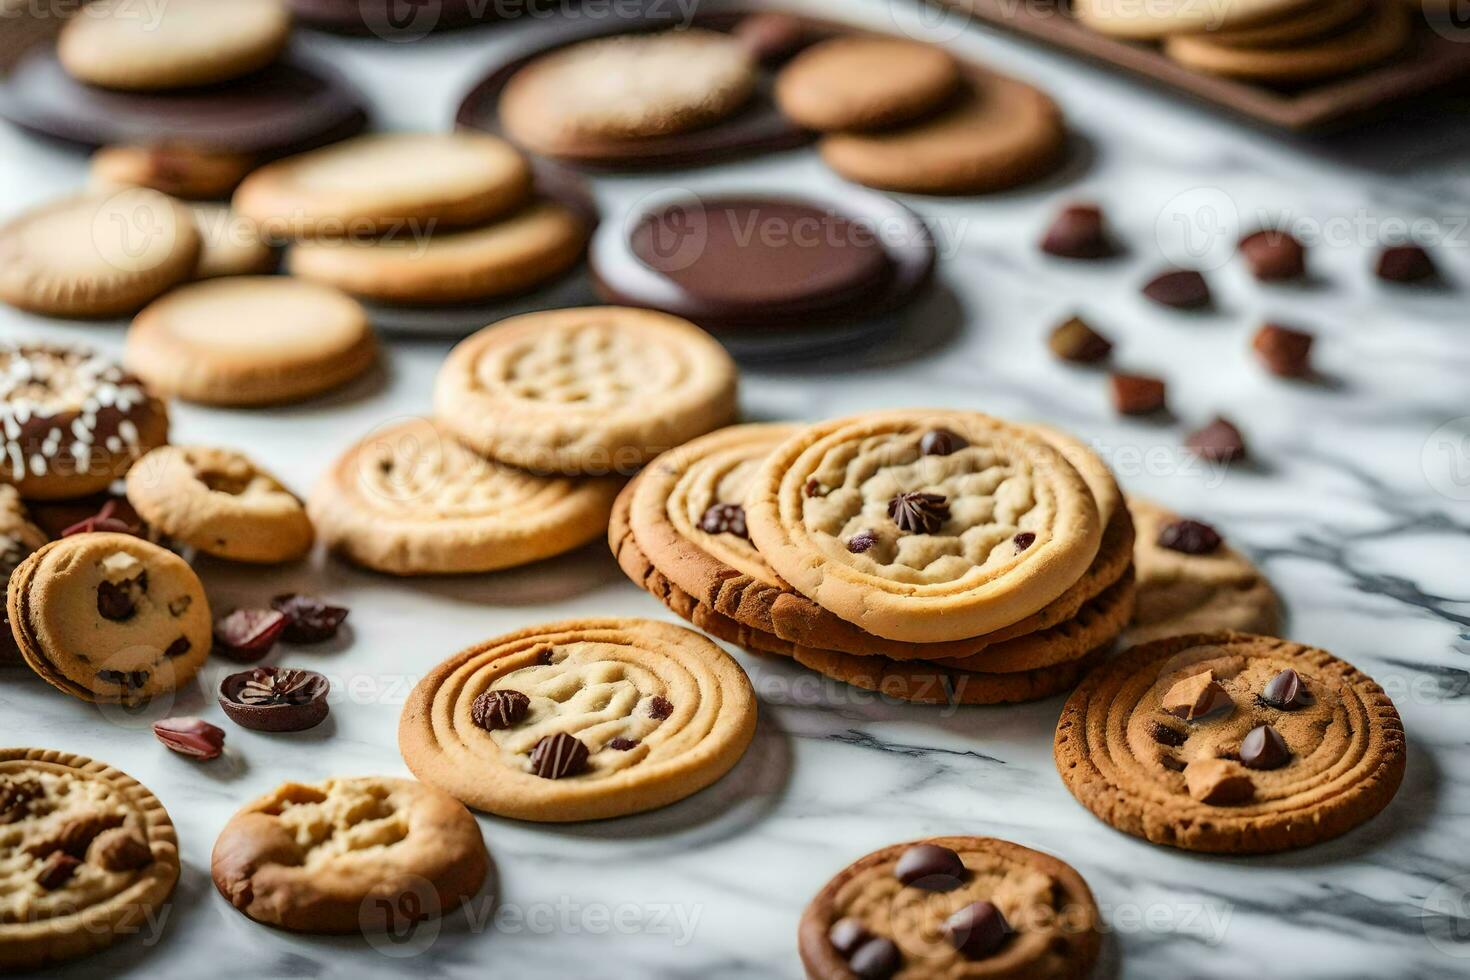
1353 508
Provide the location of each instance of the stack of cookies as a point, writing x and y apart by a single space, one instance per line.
935 556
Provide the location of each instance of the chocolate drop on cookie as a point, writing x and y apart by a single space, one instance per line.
1078 233
1023 540
813 488
1219 442
930 867
1189 537
499 709
1274 255
1075 340
941 442
1264 748
659 708
57 870
846 935
621 744
114 602
861 542
919 513
724 519
1182 289
1405 263
1286 691
876 959
558 756
178 647
1165 735
977 930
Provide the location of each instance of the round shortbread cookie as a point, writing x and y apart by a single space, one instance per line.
386 183
109 617
1194 591
580 720
411 500
601 389
72 421
176 169
869 519
953 907
860 83
1162 743
536 244
90 857
19 539
232 245
330 857
626 87
122 44
96 255
1151 20
219 501
1303 24
1000 133
250 340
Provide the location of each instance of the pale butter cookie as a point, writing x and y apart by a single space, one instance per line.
1151 20
231 245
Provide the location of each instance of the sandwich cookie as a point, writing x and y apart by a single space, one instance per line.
19 539
862 83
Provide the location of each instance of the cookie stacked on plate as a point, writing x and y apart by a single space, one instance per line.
935 556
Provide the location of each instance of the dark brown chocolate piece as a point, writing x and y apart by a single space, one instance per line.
659 708
1075 340
621 744
930 867
1137 394
1023 540
1274 255
919 513
247 635
558 756
57 870
1284 352
846 935
1264 748
978 930
724 519
499 709
1182 289
193 737
275 699
1286 691
308 619
861 542
1189 537
1219 442
941 442
1078 232
876 959
1405 263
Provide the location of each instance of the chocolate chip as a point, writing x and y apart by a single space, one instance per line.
930 867
543 658
178 647
1167 735
1219 442
124 678
919 513
813 488
1183 289
1137 394
1196 697
308 619
876 959
558 756
247 635
57 870
846 935
1078 232
861 542
660 708
1286 691
1024 540
1075 340
193 737
1264 748
1274 255
622 744
114 602
1405 263
1189 537
1285 352
724 519
499 709
941 442
977 930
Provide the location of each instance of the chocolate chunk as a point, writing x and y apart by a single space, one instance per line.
659 708
724 519
876 959
621 744
1405 263
1196 697
1137 394
846 935
115 602
1219 442
769 36
275 699
558 756
247 635
1183 289
1189 537
1075 340
1274 255
930 867
124 678
977 930
1166 735
919 513
1264 748
941 442
543 658
1285 352
1023 540
57 870
861 542
308 619
1218 782
119 849
193 737
499 709
1286 691
813 488
1078 232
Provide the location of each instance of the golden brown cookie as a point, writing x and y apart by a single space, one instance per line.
998 134
952 907
73 421
1191 581
580 720
219 501
231 245
1229 742
1303 24
1163 18
109 617
596 390
327 857
176 169
90 856
410 499
860 83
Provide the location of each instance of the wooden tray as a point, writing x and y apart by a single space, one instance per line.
1430 61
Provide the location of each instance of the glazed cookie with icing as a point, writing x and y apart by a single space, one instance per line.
109 617
410 499
72 420
601 389
317 857
924 526
1231 743
952 907
579 720
90 855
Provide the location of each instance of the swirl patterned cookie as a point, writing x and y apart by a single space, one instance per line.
924 526
580 720
1231 743
89 856
952 907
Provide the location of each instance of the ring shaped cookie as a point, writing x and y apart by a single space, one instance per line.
53 806
1055 932
957 568
1138 766
596 390
661 711
331 857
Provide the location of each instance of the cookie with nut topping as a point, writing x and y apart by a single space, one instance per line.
87 855
580 720
1231 743
109 617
